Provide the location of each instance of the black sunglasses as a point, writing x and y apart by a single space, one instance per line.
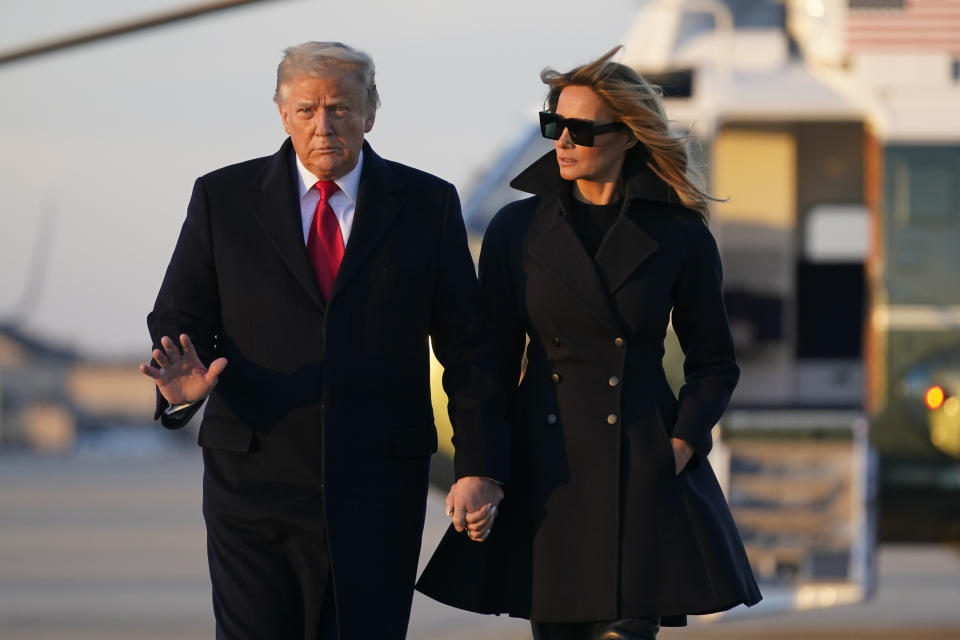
581 131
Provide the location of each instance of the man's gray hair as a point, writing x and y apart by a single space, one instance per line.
321 59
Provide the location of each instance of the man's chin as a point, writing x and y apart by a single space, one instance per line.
329 168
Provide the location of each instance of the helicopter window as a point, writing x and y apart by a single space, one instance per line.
876 4
746 14
924 184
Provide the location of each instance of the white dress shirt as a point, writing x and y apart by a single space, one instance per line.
343 202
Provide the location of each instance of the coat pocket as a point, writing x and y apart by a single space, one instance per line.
217 432
666 432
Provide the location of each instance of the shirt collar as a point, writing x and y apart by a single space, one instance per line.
349 183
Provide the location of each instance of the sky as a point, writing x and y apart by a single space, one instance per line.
105 140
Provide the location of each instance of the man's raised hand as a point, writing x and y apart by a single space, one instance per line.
181 377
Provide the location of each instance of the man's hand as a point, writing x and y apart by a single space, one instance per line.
682 452
182 378
472 505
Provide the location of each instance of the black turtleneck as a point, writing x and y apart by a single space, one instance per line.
592 221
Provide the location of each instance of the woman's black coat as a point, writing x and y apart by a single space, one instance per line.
596 524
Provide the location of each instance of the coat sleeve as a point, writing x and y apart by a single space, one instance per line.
499 265
460 338
188 301
700 321
499 261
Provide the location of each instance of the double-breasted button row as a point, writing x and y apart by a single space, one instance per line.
614 381
557 378
611 419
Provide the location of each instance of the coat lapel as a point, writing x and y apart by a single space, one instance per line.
277 209
375 211
557 247
624 248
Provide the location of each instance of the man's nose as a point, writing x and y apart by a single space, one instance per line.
322 123
565 141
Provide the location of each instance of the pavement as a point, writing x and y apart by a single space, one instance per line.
106 545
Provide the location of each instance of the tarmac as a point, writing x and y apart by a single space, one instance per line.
110 544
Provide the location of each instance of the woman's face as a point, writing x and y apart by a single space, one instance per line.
603 161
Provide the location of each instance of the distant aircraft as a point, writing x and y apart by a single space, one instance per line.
119 29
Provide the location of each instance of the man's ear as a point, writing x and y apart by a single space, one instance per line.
283 118
368 122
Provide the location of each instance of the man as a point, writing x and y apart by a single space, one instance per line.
302 291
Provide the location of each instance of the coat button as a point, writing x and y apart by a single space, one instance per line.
618 342
556 377
614 381
612 418
551 418
556 341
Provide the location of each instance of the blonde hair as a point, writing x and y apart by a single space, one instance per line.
639 105
319 59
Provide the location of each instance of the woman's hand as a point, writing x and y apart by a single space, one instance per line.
682 452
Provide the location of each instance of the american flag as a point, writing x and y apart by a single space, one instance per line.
903 26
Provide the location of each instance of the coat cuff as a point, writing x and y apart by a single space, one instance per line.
465 465
177 418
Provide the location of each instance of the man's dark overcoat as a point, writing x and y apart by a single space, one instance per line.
596 524
344 383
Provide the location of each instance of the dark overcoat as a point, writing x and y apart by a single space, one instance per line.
347 379
596 524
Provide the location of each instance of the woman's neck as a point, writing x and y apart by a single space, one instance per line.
597 192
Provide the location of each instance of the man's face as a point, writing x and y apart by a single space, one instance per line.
326 119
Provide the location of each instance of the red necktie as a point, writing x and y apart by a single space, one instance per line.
325 241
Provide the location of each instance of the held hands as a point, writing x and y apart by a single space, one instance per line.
182 378
472 505
682 452
472 500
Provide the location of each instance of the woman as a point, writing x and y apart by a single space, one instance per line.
613 521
